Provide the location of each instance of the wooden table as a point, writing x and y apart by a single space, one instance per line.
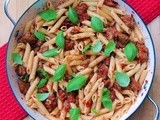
146 111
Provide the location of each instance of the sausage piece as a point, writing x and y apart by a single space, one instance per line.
67 23
112 94
23 86
129 21
66 105
103 71
43 89
27 38
21 70
120 38
142 52
110 3
43 49
62 95
51 102
117 87
69 44
134 85
82 12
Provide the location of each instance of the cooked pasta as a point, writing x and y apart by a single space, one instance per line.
76 60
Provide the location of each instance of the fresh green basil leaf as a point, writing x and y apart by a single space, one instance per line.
106 101
106 92
94 111
17 58
42 82
39 35
60 40
44 73
76 83
74 113
97 47
109 48
122 79
73 15
48 15
42 96
130 51
86 48
97 24
59 73
51 53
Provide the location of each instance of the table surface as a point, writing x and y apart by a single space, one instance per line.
147 110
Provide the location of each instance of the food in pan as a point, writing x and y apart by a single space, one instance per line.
81 59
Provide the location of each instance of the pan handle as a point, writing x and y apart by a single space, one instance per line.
7 13
156 107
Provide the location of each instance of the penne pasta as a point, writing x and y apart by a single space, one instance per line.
57 25
106 16
120 22
85 71
30 62
142 77
100 91
111 67
26 54
133 71
27 27
40 106
96 61
90 84
138 74
82 35
31 89
94 88
66 4
34 68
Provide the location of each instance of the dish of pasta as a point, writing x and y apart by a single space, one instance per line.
82 59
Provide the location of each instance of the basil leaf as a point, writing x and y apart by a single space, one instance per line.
48 15
17 58
44 73
51 53
42 82
74 113
130 51
97 24
97 47
109 48
86 48
42 96
94 111
73 15
106 101
106 92
39 35
59 73
122 79
76 83
60 40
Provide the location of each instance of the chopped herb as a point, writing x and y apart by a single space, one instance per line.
17 58
48 15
